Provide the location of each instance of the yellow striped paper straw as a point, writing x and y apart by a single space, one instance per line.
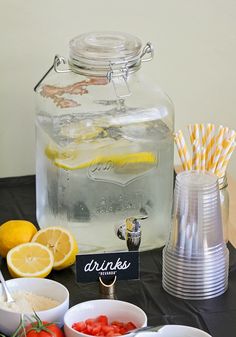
220 135
227 143
180 152
191 133
203 134
209 137
203 158
196 133
212 150
226 137
216 159
232 134
217 143
226 132
185 150
196 156
222 172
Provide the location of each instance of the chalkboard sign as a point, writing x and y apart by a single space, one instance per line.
123 265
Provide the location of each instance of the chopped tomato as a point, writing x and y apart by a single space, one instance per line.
89 321
102 319
130 326
79 326
100 327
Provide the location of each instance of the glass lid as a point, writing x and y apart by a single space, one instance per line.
100 50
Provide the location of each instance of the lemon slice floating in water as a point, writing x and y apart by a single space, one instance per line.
52 152
116 160
80 131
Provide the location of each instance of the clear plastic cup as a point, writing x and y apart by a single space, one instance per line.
195 279
196 259
198 288
193 294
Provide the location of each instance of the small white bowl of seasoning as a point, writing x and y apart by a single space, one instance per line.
48 298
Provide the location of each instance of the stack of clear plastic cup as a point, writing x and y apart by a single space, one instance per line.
196 259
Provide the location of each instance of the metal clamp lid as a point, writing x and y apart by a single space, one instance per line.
118 55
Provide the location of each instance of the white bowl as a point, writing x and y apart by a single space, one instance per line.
175 331
113 309
9 320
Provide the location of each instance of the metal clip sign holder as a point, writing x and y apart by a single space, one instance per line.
107 290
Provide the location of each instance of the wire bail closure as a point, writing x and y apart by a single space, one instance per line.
58 60
148 49
118 77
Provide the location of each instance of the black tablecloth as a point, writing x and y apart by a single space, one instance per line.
216 316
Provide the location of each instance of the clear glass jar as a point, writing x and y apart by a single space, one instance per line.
224 201
104 145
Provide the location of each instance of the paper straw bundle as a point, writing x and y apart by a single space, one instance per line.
212 148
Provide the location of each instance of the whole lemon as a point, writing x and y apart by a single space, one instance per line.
13 233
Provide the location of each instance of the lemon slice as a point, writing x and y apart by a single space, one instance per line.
80 131
74 149
119 160
61 243
52 152
30 260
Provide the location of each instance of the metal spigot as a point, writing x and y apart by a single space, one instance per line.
130 230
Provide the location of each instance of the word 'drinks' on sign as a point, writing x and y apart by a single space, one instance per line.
104 266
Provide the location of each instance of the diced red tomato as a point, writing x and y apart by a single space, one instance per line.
79 326
112 333
100 327
102 319
117 323
130 326
90 321
107 329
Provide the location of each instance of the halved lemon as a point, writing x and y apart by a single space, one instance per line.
61 243
30 260
117 160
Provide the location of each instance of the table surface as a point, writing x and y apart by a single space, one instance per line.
216 316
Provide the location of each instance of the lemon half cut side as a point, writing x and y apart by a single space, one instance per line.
61 243
30 260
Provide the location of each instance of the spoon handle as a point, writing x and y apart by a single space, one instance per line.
9 298
146 329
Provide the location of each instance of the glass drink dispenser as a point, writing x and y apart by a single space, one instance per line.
104 146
